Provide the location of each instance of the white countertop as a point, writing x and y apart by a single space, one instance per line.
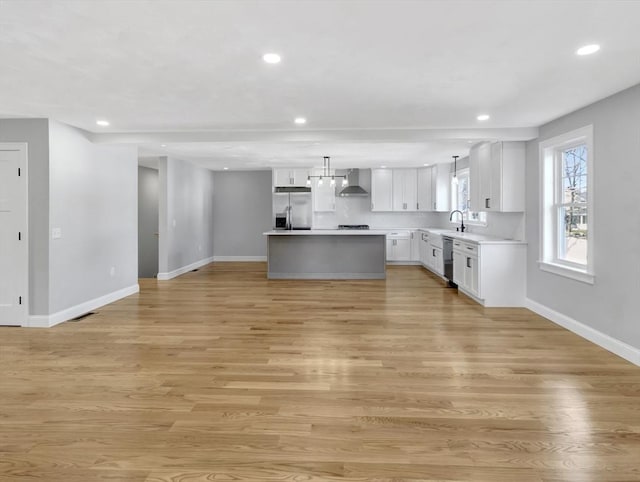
326 232
472 237
468 237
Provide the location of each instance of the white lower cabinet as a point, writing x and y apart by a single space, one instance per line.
424 248
465 267
431 254
399 247
415 245
458 268
437 261
493 274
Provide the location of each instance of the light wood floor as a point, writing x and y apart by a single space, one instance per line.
223 375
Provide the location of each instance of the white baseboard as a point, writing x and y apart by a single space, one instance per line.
239 258
184 269
47 321
607 342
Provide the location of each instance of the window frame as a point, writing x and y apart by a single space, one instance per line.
454 200
551 194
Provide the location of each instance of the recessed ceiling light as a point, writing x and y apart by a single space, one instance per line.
102 122
469 142
271 58
483 117
425 165
300 120
588 49
225 168
383 167
163 145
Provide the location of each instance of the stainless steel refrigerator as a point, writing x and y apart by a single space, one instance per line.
294 204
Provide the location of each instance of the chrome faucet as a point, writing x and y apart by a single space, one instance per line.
462 226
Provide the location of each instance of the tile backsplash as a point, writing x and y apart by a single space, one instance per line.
501 225
357 210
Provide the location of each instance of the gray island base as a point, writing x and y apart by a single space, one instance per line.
326 254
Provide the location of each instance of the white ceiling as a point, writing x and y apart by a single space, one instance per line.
195 66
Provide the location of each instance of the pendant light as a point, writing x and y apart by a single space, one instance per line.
455 169
326 172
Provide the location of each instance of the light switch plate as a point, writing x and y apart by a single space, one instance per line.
56 233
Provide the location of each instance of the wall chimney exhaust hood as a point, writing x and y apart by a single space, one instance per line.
353 189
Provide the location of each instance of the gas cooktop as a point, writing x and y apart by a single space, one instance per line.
353 226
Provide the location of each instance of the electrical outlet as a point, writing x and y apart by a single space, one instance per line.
56 233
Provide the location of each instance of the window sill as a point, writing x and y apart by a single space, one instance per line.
572 273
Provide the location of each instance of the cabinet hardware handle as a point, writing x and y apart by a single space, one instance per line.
486 203
468 247
434 253
468 262
395 242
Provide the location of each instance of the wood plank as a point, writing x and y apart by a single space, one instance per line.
221 374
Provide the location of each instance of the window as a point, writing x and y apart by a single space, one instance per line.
461 200
566 207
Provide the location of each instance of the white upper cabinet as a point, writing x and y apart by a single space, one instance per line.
281 177
299 176
324 196
290 176
434 188
405 189
441 186
381 190
425 196
496 176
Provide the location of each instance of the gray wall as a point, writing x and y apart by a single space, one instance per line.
241 212
93 200
35 132
610 305
148 210
186 214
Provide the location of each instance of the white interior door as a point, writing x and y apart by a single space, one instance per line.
14 261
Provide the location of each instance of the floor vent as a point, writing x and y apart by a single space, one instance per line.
82 317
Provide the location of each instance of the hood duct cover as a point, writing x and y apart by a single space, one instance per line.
353 189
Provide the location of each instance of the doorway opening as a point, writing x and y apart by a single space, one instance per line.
148 220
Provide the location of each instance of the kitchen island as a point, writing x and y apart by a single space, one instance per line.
326 254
